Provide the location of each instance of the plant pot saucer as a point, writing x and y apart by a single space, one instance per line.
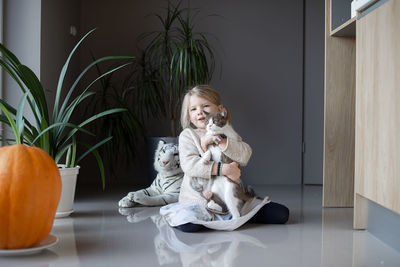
61 214
49 241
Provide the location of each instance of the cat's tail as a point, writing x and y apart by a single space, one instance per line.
248 190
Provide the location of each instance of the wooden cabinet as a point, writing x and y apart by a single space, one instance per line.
377 129
340 58
362 112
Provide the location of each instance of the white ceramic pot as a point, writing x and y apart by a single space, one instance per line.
68 180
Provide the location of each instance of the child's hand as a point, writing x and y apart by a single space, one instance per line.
232 171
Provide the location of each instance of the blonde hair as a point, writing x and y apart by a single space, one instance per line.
203 91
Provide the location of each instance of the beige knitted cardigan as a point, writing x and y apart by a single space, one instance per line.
190 153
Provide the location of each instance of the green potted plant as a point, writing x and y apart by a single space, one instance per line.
55 133
125 127
175 58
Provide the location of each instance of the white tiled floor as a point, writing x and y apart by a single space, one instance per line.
97 234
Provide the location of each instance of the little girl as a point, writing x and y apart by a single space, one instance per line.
190 214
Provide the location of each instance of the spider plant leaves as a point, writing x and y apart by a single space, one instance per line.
9 55
69 135
55 134
99 162
94 63
58 124
71 153
36 90
63 73
12 123
28 132
19 121
66 116
90 149
15 70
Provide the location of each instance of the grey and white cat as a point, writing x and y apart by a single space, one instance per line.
225 194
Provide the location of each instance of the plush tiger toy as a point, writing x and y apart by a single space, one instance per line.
165 188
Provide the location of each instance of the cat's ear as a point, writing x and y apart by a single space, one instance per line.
224 112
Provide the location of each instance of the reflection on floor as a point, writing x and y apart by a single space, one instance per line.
100 234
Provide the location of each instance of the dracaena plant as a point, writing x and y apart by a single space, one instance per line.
125 127
175 58
55 133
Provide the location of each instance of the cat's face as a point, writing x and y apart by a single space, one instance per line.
215 121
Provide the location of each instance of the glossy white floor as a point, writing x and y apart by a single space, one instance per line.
97 234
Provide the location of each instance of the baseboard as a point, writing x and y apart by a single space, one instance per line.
384 224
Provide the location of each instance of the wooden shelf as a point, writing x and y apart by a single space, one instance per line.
347 29
340 75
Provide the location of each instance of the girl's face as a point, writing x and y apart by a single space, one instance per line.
198 107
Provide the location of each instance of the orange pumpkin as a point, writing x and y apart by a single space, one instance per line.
30 189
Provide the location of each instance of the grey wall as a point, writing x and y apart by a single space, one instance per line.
262 61
57 42
313 135
260 48
262 82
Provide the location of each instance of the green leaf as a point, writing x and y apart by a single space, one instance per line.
73 152
93 148
94 63
68 158
72 107
35 88
9 55
19 118
68 113
12 123
13 72
63 73
102 114
99 161
47 129
61 153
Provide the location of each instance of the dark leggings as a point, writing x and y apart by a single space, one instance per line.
271 213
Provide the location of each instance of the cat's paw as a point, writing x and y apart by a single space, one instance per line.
140 197
131 215
126 202
131 195
207 194
235 214
206 156
214 206
134 218
125 211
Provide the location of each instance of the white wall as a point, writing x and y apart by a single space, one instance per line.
37 32
21 36
1 71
